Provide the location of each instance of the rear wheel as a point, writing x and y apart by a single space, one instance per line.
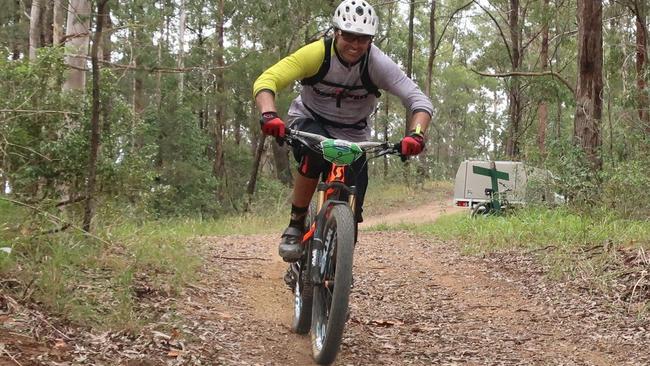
303 289
330 301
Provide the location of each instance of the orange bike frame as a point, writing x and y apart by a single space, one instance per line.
336 174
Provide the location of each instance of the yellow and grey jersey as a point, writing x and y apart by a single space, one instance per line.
340 96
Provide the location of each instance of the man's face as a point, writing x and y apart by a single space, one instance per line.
352 47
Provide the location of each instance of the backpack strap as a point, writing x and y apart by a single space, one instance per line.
324 67
365 77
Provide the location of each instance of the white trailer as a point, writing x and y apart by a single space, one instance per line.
469 188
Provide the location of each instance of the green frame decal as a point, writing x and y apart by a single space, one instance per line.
340 152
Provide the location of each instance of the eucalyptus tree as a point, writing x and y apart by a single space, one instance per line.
77 36
34 28
590 81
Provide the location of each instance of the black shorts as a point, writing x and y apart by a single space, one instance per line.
313 165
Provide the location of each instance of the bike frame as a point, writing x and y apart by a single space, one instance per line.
327 190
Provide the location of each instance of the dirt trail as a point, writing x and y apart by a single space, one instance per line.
416 301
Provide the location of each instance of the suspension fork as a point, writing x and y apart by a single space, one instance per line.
327 190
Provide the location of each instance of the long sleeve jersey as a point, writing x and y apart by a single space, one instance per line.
340 95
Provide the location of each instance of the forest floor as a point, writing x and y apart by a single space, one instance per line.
416 301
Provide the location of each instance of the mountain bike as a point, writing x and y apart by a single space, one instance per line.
497 203
323 275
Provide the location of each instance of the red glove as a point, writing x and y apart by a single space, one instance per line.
412 144
272 124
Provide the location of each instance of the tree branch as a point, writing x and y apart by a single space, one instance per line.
534 74
35 111
449 19
503 36
154 69
56 218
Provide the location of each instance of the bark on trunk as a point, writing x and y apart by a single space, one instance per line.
543 104
181 45
107 48
590 81
77 37
641 61
16 46
46 23
219 163
34 29
58 15
409 56
514 97
94 128
432 48
252 182
282 166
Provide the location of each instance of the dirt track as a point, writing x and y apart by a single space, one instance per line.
416 301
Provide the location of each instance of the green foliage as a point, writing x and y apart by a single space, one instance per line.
625 188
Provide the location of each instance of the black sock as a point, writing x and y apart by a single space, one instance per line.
298 215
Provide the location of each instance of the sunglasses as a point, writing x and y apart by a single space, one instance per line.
351 37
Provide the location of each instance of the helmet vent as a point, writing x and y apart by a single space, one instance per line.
359 10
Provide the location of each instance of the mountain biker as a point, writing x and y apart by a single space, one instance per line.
337 97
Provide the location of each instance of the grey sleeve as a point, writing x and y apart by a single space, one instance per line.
387 75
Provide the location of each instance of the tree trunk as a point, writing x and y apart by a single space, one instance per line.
432 48
252 182
34 29
409 55
58 16
107 48
218 167
181 47
15 47
514 97
641 61
282 166
77 37
94 128
139 75
46 23
543 104
586 129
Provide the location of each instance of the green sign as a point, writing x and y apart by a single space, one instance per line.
490 172
494 175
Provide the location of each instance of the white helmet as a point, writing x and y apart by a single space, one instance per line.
356 16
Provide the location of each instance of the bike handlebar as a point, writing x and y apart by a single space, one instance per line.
375 147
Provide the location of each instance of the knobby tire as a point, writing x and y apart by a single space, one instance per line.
303 291
330 306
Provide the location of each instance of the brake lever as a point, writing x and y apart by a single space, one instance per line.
398 149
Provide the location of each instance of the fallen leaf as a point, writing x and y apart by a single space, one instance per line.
174 353
59 344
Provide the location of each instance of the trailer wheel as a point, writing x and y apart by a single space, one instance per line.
484 208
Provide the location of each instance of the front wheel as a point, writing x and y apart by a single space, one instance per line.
302 290
331 297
